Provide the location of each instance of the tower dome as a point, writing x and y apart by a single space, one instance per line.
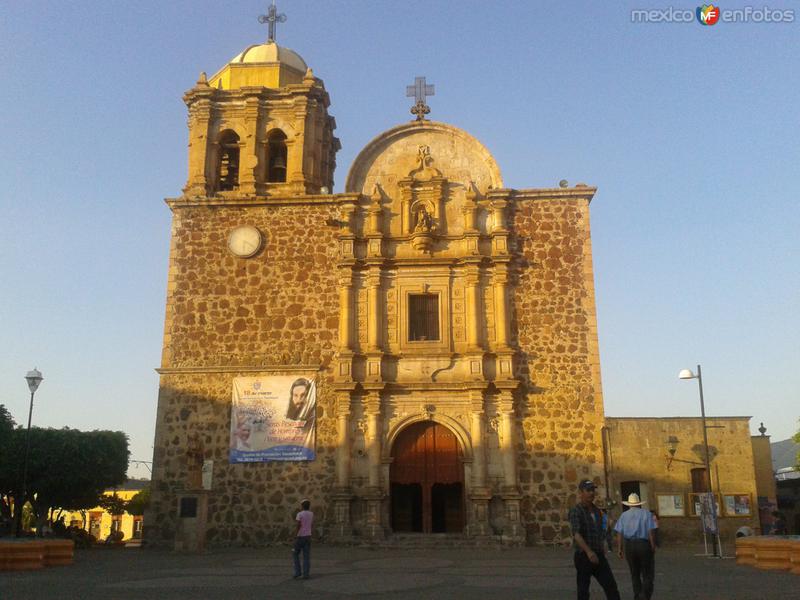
267 65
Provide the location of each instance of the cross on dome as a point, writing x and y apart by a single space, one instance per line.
420 90
272 17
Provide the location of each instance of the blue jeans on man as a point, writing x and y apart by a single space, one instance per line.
302 544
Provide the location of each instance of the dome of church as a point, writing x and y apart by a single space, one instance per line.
271 53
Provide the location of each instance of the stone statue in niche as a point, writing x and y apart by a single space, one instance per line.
424 222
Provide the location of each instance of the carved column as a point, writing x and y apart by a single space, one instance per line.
374 494
479 492
474 313
345 309
510 493
199 118
248 159
507 447
374 324
373 310
342 528
296 151
471 233
501 305
374 225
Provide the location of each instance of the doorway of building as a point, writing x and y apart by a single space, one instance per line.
427 480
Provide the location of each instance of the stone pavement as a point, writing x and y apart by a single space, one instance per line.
343 572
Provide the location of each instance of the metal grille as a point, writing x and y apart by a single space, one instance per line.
423 317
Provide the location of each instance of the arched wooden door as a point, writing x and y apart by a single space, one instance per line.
427 480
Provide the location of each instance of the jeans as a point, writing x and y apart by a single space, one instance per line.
302 544
641 562
601 572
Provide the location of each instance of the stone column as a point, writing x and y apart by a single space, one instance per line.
343 440
373 310
248 159
501 305
507 448
479 493
374 493
199 118
513 532
296 152
473 305
345 309
342 528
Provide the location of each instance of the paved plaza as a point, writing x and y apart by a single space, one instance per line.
341 572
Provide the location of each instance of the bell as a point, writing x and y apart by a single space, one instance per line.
279 163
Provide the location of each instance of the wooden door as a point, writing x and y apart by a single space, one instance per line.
427 459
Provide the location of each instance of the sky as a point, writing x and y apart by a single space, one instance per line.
690 132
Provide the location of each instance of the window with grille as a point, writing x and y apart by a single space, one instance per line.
423 317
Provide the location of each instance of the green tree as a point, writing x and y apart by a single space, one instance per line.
137 505
67 468
113 504
796 438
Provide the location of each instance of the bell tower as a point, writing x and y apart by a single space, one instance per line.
260 127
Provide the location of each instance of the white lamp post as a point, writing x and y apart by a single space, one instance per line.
687 374
34 379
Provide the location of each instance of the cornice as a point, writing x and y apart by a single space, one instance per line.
582 192
237 202
237 369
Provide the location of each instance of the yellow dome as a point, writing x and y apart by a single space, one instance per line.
271 53
267 65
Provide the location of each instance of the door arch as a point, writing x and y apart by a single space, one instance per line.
427 480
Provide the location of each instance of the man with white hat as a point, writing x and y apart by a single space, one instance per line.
636 542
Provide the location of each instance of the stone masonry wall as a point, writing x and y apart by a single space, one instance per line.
561 407
229 317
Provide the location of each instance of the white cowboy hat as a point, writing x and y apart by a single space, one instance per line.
633 500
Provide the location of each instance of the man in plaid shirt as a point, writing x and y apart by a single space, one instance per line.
588 534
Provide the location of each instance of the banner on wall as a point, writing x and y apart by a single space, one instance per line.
273 418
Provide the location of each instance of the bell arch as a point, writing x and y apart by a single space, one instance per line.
226 171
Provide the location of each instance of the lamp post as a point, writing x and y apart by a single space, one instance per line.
34 379
687 374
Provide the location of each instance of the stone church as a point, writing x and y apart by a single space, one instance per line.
448 323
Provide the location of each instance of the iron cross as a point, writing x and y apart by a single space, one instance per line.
272 17
420 90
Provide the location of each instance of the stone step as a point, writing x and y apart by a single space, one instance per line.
438 540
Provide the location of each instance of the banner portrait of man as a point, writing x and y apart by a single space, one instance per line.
273 418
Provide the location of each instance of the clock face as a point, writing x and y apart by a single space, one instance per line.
245 241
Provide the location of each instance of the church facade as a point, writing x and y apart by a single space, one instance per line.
448 324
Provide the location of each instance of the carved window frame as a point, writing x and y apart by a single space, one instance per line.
442 289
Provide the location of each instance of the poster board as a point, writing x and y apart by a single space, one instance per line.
273 418
670 505
737 505
695 503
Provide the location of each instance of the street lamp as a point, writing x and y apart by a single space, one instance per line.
34 379
687 374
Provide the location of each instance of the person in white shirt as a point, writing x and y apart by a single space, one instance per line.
302 541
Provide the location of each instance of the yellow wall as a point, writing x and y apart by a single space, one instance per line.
106 517
637 451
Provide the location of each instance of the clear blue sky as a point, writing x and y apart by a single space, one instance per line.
690 132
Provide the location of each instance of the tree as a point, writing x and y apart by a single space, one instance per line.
796 438
137 505
113 505
67 468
